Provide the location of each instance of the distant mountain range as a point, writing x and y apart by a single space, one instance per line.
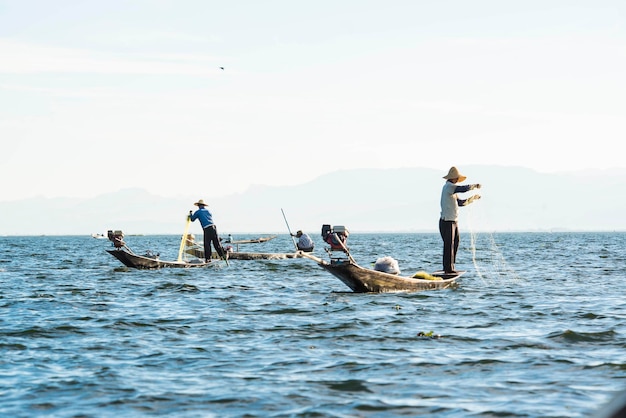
364 200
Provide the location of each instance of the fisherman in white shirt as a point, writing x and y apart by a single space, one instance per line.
305 243
448 221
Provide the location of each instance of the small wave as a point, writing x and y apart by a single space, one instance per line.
173 287
351 385
573 336
52 332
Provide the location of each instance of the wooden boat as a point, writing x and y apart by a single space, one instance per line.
236 255
362 280
252 241
149 261
236 243
240 255
194 248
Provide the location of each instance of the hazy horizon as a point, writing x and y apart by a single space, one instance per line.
364 200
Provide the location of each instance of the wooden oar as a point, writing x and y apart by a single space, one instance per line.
182 240
289 229
311 257
225 258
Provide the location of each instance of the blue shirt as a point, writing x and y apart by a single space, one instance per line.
205 217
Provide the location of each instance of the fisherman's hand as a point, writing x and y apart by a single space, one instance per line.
476 186
475 197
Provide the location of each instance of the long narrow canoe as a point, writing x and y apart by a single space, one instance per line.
198 252
362 280
261 256
130 259
252 241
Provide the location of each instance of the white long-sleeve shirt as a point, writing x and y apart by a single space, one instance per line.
450 202
305 242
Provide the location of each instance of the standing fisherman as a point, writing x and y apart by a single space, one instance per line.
448 222
209 229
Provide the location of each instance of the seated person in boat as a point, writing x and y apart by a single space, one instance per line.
305 243
190 240
193 247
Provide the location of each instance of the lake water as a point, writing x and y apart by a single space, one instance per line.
535 328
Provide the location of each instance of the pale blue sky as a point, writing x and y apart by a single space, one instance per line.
96 96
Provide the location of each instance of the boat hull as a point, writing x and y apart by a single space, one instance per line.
362 280
141 262
261 256
236 255
252 241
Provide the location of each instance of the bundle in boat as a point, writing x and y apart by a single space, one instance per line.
387 265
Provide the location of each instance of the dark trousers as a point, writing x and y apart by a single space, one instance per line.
210 236
449 231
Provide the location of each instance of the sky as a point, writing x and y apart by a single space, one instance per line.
207 98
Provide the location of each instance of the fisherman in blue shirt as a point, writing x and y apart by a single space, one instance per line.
210 230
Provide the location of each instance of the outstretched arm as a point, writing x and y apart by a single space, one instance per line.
466 188
465 202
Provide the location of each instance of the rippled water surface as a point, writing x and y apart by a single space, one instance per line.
536 328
